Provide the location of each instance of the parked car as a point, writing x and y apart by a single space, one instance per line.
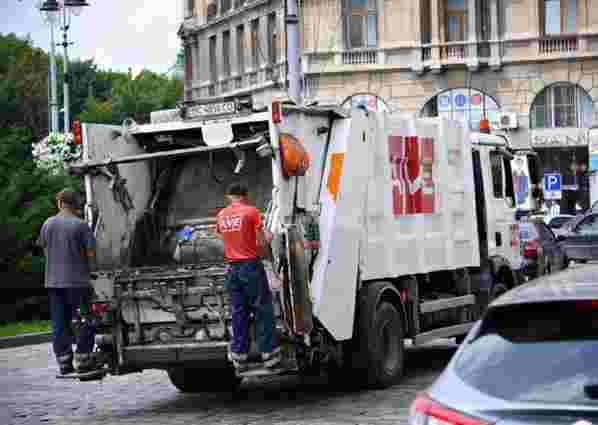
530 360
581 242
557 223
542 253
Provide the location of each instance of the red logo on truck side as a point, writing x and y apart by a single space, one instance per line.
412 160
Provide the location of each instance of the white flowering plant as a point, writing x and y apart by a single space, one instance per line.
56 150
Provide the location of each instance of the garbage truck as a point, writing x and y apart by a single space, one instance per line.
384 229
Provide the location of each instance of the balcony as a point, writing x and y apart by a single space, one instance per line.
453 52
360 57
558 45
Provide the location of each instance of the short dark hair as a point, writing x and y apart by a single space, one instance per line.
69 198
237 189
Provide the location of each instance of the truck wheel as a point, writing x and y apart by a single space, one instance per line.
387 349
378 362
208 379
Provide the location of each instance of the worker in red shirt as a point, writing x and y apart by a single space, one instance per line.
241 229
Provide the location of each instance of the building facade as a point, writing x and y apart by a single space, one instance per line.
530 66
233 48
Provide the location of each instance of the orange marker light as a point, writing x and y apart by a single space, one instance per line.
295 158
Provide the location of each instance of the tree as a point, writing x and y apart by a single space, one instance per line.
24 85
98 111
26 195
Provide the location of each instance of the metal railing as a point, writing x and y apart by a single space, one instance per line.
360 57
563 44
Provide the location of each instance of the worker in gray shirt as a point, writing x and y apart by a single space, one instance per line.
69 246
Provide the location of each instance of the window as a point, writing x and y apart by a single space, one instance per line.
589 226
190 8
560 16
225 6
213 66
273 38
497 174
255 44
241 49
226 53
212 10
466 105
557 338
562 105
456 20
361 21
188 64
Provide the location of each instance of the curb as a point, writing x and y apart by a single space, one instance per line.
25 339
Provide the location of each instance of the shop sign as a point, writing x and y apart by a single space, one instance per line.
559 137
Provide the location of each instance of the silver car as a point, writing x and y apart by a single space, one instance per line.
531 359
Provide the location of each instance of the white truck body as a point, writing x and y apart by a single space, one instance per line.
415 232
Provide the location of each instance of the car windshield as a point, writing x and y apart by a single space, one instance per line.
527 231
543 352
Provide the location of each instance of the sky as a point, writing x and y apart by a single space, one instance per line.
118 34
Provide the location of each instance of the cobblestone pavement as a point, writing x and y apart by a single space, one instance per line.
30 394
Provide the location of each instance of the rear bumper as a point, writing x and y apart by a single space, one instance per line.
162 356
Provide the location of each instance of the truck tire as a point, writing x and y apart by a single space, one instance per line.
376 353
209 379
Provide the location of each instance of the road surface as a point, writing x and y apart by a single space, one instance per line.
30 394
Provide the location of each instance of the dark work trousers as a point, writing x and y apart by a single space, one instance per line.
250 294
64 303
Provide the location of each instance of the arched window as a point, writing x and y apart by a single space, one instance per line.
561 105
466 105
369 101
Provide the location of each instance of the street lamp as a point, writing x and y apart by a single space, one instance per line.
61 11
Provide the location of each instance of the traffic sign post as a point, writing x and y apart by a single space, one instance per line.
552 186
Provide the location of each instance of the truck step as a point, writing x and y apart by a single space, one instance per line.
259 370
446 303
94 375
445 332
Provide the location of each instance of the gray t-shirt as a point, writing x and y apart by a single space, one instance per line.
65 238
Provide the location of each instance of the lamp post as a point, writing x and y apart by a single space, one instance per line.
61 11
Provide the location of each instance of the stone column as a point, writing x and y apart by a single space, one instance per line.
339 39
495 58
471 53
417 63
437 14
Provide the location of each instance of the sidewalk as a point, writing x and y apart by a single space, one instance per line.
25 339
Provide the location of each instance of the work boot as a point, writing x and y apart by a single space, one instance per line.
85 362
272 358
240 360
65 364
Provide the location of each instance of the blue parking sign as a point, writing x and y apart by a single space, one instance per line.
552 186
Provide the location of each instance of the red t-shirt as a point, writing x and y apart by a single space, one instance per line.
238 224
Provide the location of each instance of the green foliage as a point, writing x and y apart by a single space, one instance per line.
98 111
23 85
26 196
20 328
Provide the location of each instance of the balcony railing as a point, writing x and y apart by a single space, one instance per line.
360 57
453 52
564 44
426 53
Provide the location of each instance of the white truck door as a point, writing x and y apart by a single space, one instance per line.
346 175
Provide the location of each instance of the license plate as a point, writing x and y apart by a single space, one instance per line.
211 109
